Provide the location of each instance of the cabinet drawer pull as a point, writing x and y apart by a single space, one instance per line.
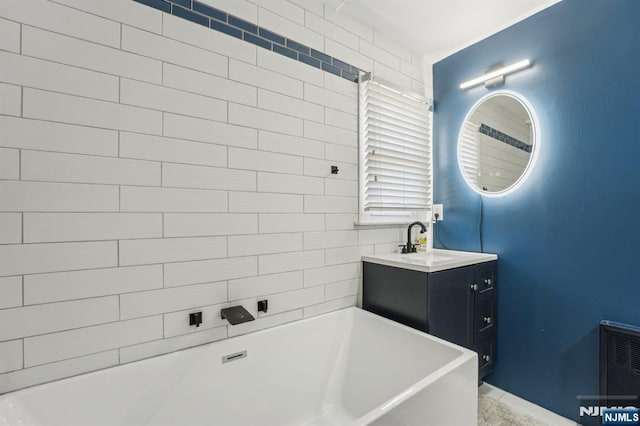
487 320
487 281
487 358
474 287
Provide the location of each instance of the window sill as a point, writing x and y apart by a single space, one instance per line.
391 222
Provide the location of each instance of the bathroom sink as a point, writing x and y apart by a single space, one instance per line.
435 256
430 261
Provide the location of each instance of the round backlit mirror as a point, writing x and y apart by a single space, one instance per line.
498 143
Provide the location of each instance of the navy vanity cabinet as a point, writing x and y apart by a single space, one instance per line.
458 305
450 305
408 305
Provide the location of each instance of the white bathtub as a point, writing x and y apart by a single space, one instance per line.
348 367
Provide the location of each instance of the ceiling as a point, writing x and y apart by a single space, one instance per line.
437 28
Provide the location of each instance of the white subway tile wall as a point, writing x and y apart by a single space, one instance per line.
10 99
151 167
9 36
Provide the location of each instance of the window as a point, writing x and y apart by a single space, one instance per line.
395 155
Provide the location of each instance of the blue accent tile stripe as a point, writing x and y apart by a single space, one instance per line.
242 24
211 12
286 52
183 3
257 41
342 65
219 20
332 69
157 4
297 46
350 76
271 36
309 60
227 29
503 137
191 16
320 56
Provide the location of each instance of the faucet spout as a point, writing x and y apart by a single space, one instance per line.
236 315
410 248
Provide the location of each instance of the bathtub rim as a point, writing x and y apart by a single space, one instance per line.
465 356
378 411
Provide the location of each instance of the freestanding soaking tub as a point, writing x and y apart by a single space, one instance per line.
348 367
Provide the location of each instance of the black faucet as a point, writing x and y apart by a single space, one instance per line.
410 248
236 315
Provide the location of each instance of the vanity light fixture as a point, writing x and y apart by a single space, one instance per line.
497 74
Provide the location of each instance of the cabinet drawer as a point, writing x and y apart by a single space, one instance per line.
485 284
486 356
484 320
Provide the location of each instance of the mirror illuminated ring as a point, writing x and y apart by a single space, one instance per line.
498 143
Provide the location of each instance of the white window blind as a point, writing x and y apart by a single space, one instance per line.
395 150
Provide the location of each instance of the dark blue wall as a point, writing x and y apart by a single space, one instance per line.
568 240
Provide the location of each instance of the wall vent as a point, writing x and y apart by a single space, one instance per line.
635 356
619 364
626 350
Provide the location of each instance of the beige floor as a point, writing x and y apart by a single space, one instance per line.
525 407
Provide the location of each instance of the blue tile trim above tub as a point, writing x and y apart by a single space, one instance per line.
321 56
191 16
242 24
299 47
257 40
227 29
211 12
343 65
331 69
503 137
219 20
271 36
183 3
309 60
286 52
350 76
157 4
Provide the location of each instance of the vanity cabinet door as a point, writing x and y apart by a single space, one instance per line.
450 305
395 293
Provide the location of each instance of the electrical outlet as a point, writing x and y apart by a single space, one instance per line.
438 209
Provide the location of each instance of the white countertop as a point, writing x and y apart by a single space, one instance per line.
430 261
